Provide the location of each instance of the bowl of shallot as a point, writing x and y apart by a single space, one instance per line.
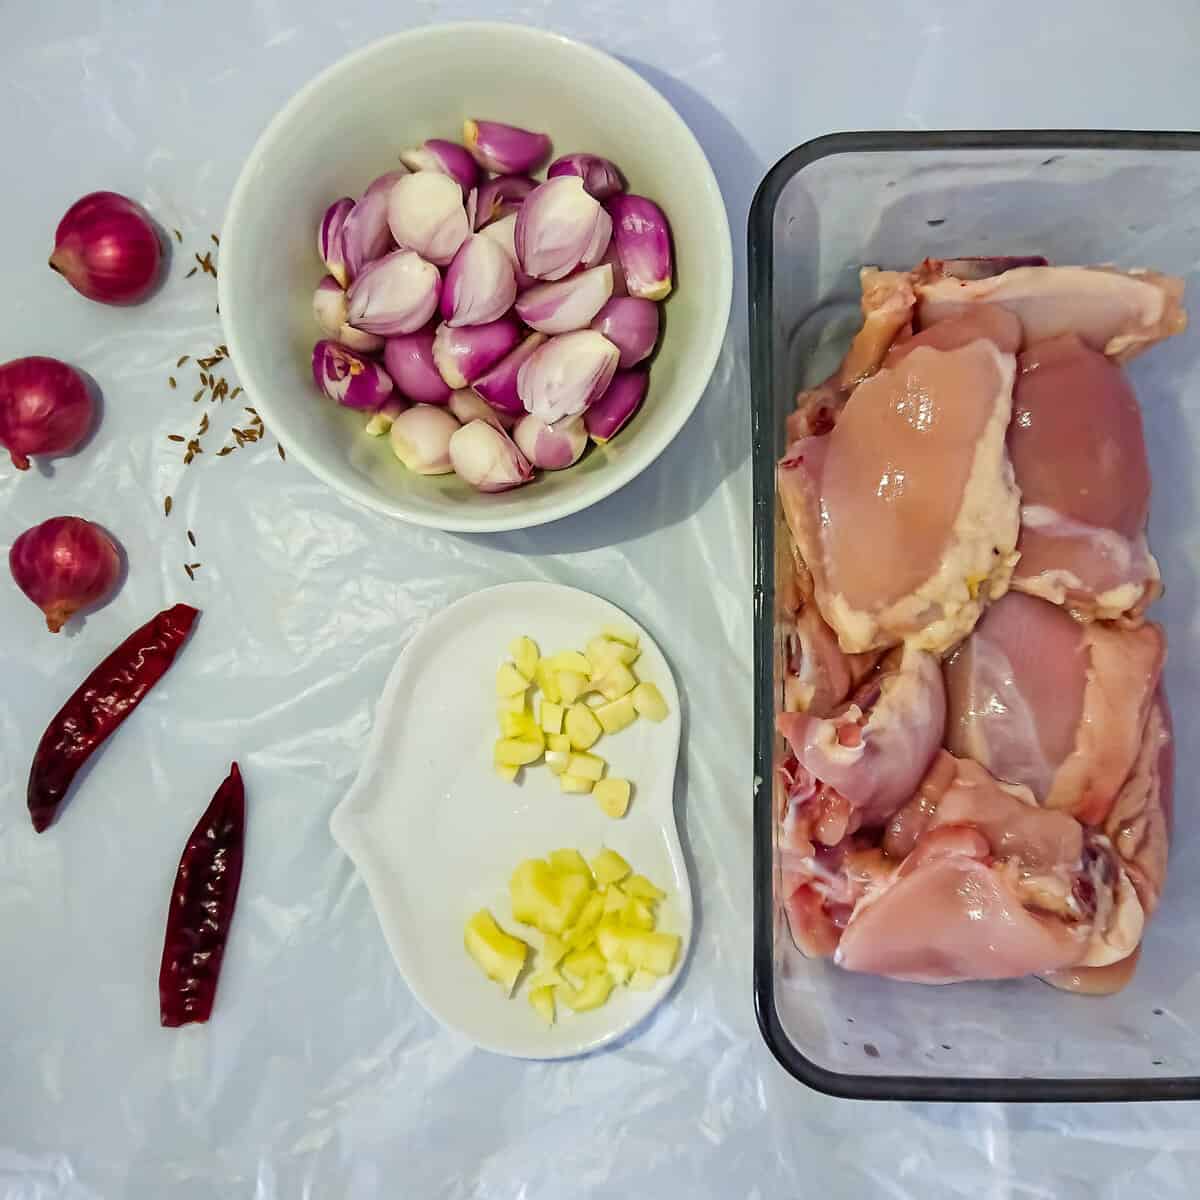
476 276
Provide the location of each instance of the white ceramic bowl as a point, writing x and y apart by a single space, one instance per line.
346 127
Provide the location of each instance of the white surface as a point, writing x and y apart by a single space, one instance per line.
320 1074
437 833
349 126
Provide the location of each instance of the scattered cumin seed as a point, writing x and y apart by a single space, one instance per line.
188 569
178 235
224 450
196 566
191 273
167 506
175 437
237 391
204 423
197 395
182 359
191 537
216 240
171 380
281 451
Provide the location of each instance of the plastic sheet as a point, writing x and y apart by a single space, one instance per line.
319 1074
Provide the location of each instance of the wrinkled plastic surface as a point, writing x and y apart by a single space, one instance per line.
319 1074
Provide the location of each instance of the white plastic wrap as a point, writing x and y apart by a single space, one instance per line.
319 1074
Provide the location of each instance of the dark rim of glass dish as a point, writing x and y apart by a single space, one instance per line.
761 282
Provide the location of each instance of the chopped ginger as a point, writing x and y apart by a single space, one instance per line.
618 715
586 766
500 956
613 796
598 926
550 717
609 867
581 727
542 999
510 681
524 653
649 702
572 685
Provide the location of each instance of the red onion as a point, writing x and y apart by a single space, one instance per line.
567 375
631 325
64 564
560 227
600 177
480 284
499 385
551 447
45 408
329 238
643 237
467 407
504 232
421 439
107 249
567 304
426 213
395 294
501 196
487 458
505 149
408 359
613 411
349 378
463 355
365 235
449 158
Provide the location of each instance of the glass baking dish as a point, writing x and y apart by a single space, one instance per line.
889 200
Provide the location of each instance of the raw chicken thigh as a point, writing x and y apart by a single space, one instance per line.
1080 462
990 886
1007 811
916 468
1059 706
1119 313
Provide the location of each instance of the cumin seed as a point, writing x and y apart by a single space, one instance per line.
167 506
191 273
191 537
182 359
281 451
175 437
178 235
188 569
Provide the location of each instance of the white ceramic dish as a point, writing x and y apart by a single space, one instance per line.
436 833
346 127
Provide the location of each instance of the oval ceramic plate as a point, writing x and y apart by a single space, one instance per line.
436 833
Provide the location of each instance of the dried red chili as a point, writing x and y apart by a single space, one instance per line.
202 902
104 699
